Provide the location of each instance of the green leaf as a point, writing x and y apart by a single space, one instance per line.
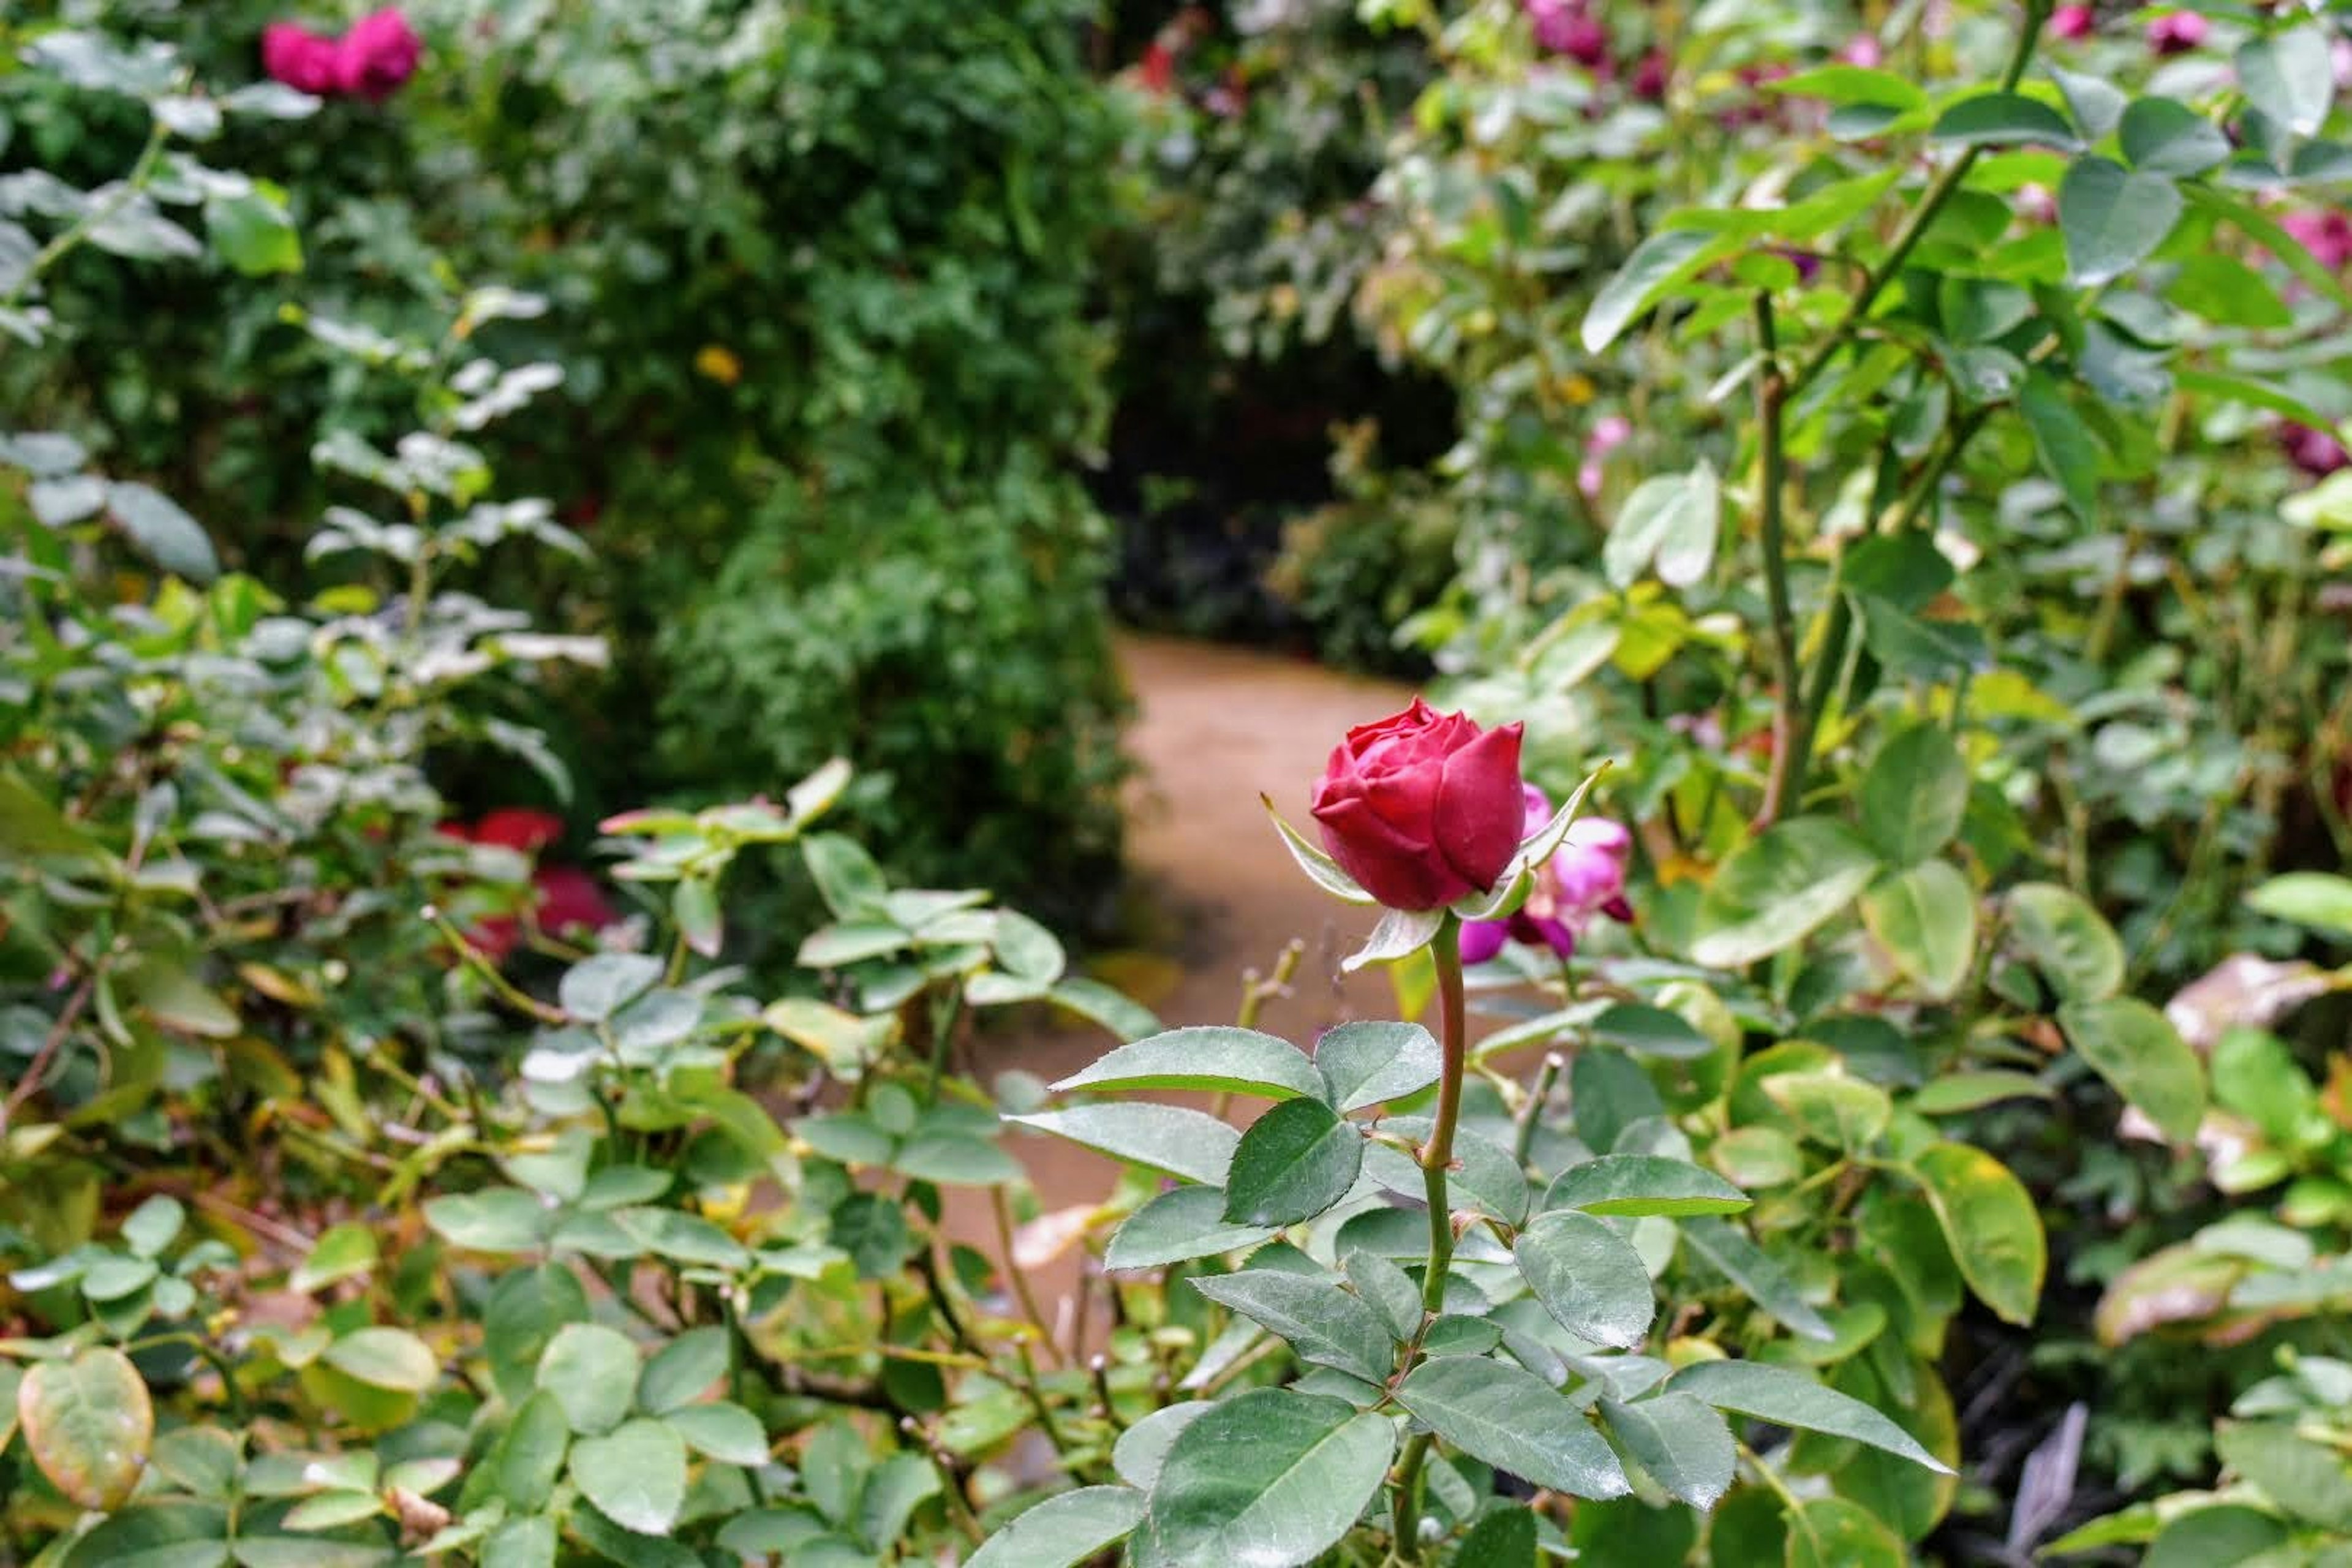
2001 119
1322 1322
1845 1113
2288 76
1213 1057
1991 1224
162 533
1914 794
1963 1092
1752 1269
253 233
2097 104
2112 218
898 1485
1270 1476
1926 919
955 1159
1588 1277
846 876
1293 1162
1099 1004
1838 1532
2064 937
2214 1537
153 1224
2164 136
1640 1185
176 1000
521 1543
683 1370
385 1358
721 1431
1176 1227
1065 1531
635 1475
681 1237
1778 888
1684 1443
1513 1420
1187 1143
1657 264
694 905
1371 1063
531 1453
1979 310
1142 1449
1673 519
2306 1479
2314 899
2226 292
1842 84
1646 1031
174 1533
1788 1398
596 988
592 1372
525 1309
342 1251
1387 1288
2141 1055
1504 1536
88 1422
2282 247
2063 444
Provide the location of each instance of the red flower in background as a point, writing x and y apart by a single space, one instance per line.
2315 452
2177 32
379 54
301 58
2072 22
564 899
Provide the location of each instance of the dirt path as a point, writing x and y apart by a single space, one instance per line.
1215 894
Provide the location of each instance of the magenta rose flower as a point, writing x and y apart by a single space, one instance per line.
1585 878
1422 808
2315 452
2177 32
2072 22
1564 27
377 55
2326 234
299 57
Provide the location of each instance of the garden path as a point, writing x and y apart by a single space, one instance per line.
1214 727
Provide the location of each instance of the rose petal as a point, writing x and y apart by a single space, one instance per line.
1480 812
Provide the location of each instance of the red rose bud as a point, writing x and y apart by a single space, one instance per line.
378 55
1422 808
2315 452
2176 32
1650 76
299 57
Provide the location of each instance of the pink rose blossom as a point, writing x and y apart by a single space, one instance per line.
2315 452
2326 234
2071 22
1863 50
2176 32
1564 27
379 54
1608 434
1586 878
299 57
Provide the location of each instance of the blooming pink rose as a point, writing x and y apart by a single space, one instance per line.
1564 27
2072 22
1422 808
1650 76
299 57
2326 234
1863 50
2315 452
1585 878
2177 32
377 55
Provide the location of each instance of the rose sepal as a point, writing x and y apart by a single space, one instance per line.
1320 869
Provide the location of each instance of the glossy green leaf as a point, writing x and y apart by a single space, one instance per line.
1293 1162
2003 120
2064 937
596 988
683 1370
2067 450
525 1309
899 1485
1992 1223
1325 1324
721 1431
1963 1092
1176 1227
2214 1537
1511 1419
162 530
1365 1064
529 1456
1387 1288
2164 136
1831 1108
2308 1479
2288 76
635 1475
1914 794
1673 520
1788 1398
1779 887
1753 1269
1838 1532
342 1251
1642 1185
385 1358
1657 264
1187 1143
2141 1055
1270 1478
1215 1058
2319 899
592 1372
1647 1031
1588 1277
1142 1448
2112 218
1065 1530
1926 919
88 1422
1683 1442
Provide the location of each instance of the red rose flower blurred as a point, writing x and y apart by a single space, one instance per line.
2071 22
2315 452
1422 808
564 899
2326 234
299 57
2177 32
379 54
